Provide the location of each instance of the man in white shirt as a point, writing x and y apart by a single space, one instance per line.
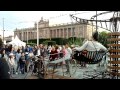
92 45
38 51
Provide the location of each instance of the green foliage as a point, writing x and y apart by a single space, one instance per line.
75 41
103 36
47 42
1 43
31 43
58 41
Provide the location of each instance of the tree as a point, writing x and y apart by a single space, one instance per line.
1 43
103 36
76 41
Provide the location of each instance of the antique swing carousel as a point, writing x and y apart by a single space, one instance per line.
112 25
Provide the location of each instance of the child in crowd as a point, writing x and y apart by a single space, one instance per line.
22 63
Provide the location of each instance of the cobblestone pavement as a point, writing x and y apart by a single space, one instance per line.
24 76
19 76
82 73
79 74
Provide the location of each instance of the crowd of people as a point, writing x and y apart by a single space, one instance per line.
19 59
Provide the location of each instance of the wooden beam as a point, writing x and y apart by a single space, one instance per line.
111 67
114 62
113 73
113 50
114 34
114 45
114 39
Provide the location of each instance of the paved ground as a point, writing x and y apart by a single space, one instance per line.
79 74
57 77
24 76
82 72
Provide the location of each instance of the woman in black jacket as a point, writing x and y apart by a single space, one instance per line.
4 69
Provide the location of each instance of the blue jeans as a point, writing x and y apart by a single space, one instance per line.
28 63
17 66
22 68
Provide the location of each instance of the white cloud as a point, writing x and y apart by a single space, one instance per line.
7 33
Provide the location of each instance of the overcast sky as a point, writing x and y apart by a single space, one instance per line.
25 19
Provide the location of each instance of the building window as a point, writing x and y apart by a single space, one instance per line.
20 36
69 32
65 32
54 33
61 33
23 36
31 35
50 33
57 32
82 31
73 32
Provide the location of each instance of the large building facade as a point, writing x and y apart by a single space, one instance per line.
57 31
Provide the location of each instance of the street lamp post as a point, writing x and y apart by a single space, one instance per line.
96 20
37 34
3 30
22 35
27 36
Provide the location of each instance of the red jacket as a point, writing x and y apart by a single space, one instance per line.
52 57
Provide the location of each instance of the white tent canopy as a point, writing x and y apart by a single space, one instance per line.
17 42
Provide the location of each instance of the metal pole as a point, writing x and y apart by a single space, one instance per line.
37 35
27 36
3 30
72 29
22 35
96 20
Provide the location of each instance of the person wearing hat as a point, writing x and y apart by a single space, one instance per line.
11 63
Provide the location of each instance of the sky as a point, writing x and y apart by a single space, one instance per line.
26 19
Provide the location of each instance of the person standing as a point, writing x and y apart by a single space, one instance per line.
22 63
4 69
68 56
29 61
63 53
4 55
53 54
35 50
12 64
18 55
